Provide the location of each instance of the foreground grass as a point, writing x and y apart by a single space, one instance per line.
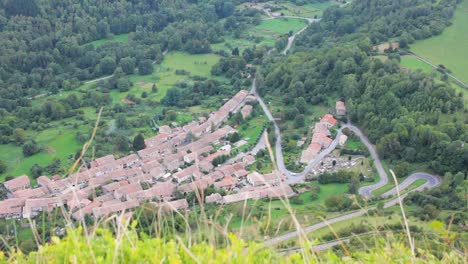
126 247
449 48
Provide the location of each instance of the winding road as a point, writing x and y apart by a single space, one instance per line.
366 191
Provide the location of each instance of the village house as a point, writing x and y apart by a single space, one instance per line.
111 187
11 208
157 172
246 111
158 191
205 166
310 153
18 183
122 192
321 139
31 193
200 184
187 174
248 160
86 210
257 179
114 208
328 120
282 190
128 161
214 198
165 129
77 203
52 186
340 108
342 140
322 128
32 207
238 197
148 178
174 205
191 157
227 183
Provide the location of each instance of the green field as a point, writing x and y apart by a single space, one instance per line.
307 10
123 38
56 142
412 63
449 48
266 33
274 28
165 77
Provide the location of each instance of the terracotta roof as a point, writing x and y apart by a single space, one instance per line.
114 186
114 208
215 197
31 193
104 161
226 183
32 206
127 189
165 189
17 183
328 119
174 205
88 209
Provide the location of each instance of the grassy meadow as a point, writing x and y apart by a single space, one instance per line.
450 47
266 33
307 10
123 38
412 63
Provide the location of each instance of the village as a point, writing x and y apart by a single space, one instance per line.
178 159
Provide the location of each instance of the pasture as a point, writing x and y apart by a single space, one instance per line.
307 10
450 47
412 63
123 38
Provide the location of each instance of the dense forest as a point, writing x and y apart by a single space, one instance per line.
376 21
399 111
45 51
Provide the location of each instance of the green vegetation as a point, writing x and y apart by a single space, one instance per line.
412 63
122 38
270 30
128 247
449 48
307 10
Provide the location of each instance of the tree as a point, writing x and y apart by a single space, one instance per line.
3 166
154 88
108 65
121 121
299 121
123 84
235 51
19 135
36 171
22 8
145 67
128 65
338 202
139 142
402 169
30 148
